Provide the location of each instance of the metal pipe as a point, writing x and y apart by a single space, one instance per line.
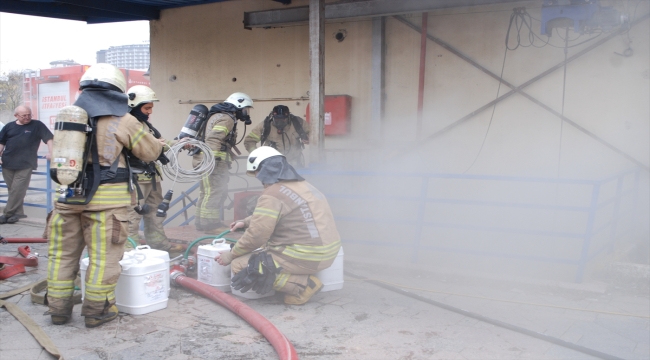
301 98
22 240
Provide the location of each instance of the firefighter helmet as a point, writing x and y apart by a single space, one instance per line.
103 76
258 155
141 94
240 100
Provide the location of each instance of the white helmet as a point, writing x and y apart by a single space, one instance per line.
140 94
240 100
257 156
104 76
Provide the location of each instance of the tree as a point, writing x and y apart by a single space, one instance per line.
11 90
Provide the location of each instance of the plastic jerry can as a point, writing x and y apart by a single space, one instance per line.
141 288
332 277
153 253
208 270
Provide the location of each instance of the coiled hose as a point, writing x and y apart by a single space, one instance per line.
175 172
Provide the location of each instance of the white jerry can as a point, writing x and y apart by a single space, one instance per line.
153 254
142 288
332 277
208 270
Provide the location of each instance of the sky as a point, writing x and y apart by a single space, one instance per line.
32 42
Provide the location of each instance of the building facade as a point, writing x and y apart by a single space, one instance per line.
134 57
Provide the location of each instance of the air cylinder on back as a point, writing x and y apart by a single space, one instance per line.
70 133
198 115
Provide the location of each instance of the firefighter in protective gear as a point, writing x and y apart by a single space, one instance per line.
283 131
292 222
98 222
220 136
141 101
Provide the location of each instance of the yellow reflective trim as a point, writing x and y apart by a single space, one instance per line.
56 247
220 128
254 136
266 212
219 154
280 281
312 253
137 137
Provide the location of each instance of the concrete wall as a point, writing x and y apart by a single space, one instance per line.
197 53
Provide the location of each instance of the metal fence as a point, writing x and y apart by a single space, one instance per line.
37 177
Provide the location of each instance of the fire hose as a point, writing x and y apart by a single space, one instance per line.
21 240
17 264
280 343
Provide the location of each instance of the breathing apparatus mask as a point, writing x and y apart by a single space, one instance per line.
244 115
280 115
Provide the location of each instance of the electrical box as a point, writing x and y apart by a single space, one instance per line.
337 114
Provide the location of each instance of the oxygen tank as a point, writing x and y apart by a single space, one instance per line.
198 116
70 133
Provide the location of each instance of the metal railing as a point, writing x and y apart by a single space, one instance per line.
599 233
47 189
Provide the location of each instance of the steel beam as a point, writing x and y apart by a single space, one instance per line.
317 86
80 10
356 9
377 78
519 89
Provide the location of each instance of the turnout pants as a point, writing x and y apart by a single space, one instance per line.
154 232
103 229
213 191
17 183
292 280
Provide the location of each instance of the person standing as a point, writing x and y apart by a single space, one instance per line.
221 136
282 131
141 102
97 218
19 143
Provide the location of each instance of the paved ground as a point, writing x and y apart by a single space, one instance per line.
362 321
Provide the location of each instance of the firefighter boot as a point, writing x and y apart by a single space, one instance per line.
95 321
313 286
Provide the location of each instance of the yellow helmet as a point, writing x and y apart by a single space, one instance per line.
140 94
104 76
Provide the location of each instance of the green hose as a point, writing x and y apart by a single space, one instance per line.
133 243
189 247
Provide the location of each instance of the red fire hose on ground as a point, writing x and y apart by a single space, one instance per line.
280 343
22 240
17 263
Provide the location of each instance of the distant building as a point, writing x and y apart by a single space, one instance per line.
63 63
135 57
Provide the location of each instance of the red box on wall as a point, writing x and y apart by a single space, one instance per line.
337 114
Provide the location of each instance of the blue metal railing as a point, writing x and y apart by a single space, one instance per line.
592 230
47 189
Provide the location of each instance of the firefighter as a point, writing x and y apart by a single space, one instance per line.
294 226
99 219
141 101
284 132
221 136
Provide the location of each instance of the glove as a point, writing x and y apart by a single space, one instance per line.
269 274
245 279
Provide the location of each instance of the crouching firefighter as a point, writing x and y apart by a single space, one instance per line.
292 224
221 137
96 192
141 101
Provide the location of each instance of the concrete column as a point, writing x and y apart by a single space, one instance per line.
377 81
317 86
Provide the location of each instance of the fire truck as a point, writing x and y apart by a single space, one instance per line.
48 90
